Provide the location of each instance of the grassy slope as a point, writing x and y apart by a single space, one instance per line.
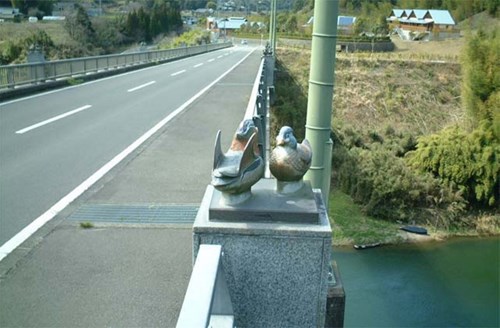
372 92
15 31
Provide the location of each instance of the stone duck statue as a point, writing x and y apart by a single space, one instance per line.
289 161
236 171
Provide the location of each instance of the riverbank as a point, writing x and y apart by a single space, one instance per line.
351 226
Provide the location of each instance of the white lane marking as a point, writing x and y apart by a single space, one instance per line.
29 230
53 119
198 65
220 56
210 60
177 73
141 86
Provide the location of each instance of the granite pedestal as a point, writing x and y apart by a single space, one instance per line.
277 272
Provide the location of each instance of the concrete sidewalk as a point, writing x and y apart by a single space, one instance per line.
134 272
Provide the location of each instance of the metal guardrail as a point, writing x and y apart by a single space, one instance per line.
17 75
257 108
207 301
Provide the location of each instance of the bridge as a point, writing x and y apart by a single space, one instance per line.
128 155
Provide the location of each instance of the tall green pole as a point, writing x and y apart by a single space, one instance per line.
274 27
271 26
319 103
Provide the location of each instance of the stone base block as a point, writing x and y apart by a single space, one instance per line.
268 205
277 272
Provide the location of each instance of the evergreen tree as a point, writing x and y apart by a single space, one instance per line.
79 26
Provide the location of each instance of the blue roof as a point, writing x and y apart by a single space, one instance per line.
345 20
398 12
341 20
231 23
442 17
419 13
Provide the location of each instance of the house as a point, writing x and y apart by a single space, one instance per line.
9 13
226 25
423 24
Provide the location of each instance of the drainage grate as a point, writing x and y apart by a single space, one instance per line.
147 213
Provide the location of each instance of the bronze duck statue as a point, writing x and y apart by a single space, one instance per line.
236 171
289 160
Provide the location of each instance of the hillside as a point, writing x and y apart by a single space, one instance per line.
417 96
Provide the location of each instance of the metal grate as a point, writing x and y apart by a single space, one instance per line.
136 214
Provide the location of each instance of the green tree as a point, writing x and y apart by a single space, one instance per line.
291 24
481 77
470 158
211 5
79 26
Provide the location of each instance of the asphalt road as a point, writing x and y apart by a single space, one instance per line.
51 143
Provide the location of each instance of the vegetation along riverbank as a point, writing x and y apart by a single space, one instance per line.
416 140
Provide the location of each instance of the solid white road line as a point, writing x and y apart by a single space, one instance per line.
50 120
24 234
141 86
198 65
177 73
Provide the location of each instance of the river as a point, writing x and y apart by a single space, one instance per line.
450 284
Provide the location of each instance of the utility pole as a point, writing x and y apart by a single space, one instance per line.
319 103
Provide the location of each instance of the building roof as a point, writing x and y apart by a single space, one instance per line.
422 16
345 20
341 20
442 17
231 23
9 11
418 13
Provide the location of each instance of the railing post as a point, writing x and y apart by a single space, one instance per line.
10 78
207 294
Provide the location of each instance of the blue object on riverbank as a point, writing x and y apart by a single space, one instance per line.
415 229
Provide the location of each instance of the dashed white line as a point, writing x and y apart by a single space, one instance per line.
198 65
141 86
53 119
24 234
220 56
177 73
211 60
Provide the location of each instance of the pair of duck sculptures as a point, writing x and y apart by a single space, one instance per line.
236 171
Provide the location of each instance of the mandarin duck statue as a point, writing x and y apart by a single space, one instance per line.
289 160
236 171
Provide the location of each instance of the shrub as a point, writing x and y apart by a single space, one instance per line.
469 160
389 189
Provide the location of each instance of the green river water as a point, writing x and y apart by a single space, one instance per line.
451 284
